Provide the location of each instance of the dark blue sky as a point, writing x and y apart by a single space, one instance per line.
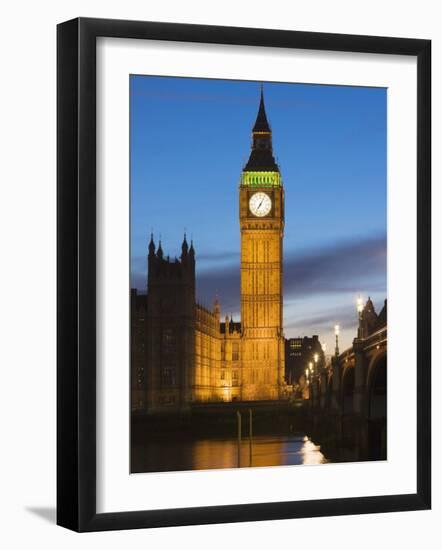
189 141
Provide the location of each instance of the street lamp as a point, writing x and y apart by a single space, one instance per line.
307 383
315 359
337 340
360 309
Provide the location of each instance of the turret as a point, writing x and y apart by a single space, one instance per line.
151 246
231 325
367 318
160 250
165 271
150 258
217 308
184 248
192 251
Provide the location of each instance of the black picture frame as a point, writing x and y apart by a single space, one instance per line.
76 273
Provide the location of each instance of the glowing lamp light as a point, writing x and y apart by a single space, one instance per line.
337 330
310 365
315 357
360 304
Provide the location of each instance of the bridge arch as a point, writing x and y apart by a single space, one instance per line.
377 387
377 406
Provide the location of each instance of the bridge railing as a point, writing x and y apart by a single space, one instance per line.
378 337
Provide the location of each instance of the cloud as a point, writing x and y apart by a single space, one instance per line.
344 267
216 256
349 266
225 282
345 315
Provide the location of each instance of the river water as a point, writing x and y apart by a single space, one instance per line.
168 454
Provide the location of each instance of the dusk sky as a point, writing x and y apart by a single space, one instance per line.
190 139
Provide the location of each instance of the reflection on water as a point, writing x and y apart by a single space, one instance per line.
205 454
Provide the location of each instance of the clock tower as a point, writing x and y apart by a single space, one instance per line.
261 214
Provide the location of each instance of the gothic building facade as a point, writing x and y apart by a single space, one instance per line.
183 352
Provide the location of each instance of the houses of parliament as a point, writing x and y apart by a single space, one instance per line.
182 352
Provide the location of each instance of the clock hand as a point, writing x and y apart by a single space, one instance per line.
260 204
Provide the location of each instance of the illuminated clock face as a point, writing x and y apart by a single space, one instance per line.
260 204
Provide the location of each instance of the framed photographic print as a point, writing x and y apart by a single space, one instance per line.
237 209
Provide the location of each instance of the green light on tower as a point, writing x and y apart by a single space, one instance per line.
261 179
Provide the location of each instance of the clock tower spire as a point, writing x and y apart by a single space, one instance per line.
261 154
261 214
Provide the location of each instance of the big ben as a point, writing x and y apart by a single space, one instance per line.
261 214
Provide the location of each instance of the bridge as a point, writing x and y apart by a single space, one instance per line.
348 396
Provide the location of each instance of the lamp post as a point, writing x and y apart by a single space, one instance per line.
360 309
312 389
337 340
315 359
307 383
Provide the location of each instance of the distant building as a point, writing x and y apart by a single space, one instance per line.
299 352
